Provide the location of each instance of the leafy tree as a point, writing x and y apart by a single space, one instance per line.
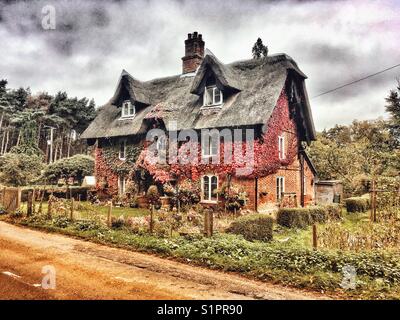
27 141
355 154
259 49
19 169
76 167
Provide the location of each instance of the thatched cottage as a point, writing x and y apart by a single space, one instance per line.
266 95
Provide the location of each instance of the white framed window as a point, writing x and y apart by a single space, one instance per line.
280 187
304 185
128 109
122 150
209 149
281 147
209 186
212 96
121 184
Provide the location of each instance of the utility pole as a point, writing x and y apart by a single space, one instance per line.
50 142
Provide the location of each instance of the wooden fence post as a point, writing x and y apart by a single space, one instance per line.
41 202
315 236
34 201
18 200
208 223
151 218
373 201
71 217
49 206
4 196
109 215
29 204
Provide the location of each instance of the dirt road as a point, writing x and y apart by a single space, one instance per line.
86 270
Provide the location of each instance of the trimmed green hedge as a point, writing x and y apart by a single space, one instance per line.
253 227
303 217
293 217
334 211
357 204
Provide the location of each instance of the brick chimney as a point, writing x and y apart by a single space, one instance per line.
194 52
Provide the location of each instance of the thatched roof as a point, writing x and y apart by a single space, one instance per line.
255 86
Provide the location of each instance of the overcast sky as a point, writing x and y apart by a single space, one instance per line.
334 42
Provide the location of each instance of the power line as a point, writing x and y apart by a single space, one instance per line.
353 82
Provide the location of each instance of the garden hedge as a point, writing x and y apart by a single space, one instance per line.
303 217
253 227
357 204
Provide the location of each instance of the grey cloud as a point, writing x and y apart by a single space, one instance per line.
333 42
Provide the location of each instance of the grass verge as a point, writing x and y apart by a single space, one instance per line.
287 263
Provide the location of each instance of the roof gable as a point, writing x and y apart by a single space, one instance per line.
224 74
135 89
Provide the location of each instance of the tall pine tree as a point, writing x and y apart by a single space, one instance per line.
259 49
393 107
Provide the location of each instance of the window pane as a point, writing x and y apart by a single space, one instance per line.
217 96
122 150
206 188
208 96
131 109
214 187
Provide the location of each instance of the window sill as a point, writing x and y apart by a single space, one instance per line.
126 118
209 201
212 107
122 159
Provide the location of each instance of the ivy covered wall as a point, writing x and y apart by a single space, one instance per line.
109 167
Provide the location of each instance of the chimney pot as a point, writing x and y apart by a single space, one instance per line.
194 52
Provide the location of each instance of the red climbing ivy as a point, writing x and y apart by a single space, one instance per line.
266 155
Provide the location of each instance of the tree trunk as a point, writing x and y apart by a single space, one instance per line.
1 120
19 138
68 145
7 139
3 140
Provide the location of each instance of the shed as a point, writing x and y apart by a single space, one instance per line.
328 191
89 182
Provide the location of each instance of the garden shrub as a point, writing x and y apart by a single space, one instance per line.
85 225
235 196
187 194
2 210
117 223
61 222
294 217
153 196
76 167
253 227
357 204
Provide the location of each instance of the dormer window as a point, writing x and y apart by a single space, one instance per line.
212 96
128 109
